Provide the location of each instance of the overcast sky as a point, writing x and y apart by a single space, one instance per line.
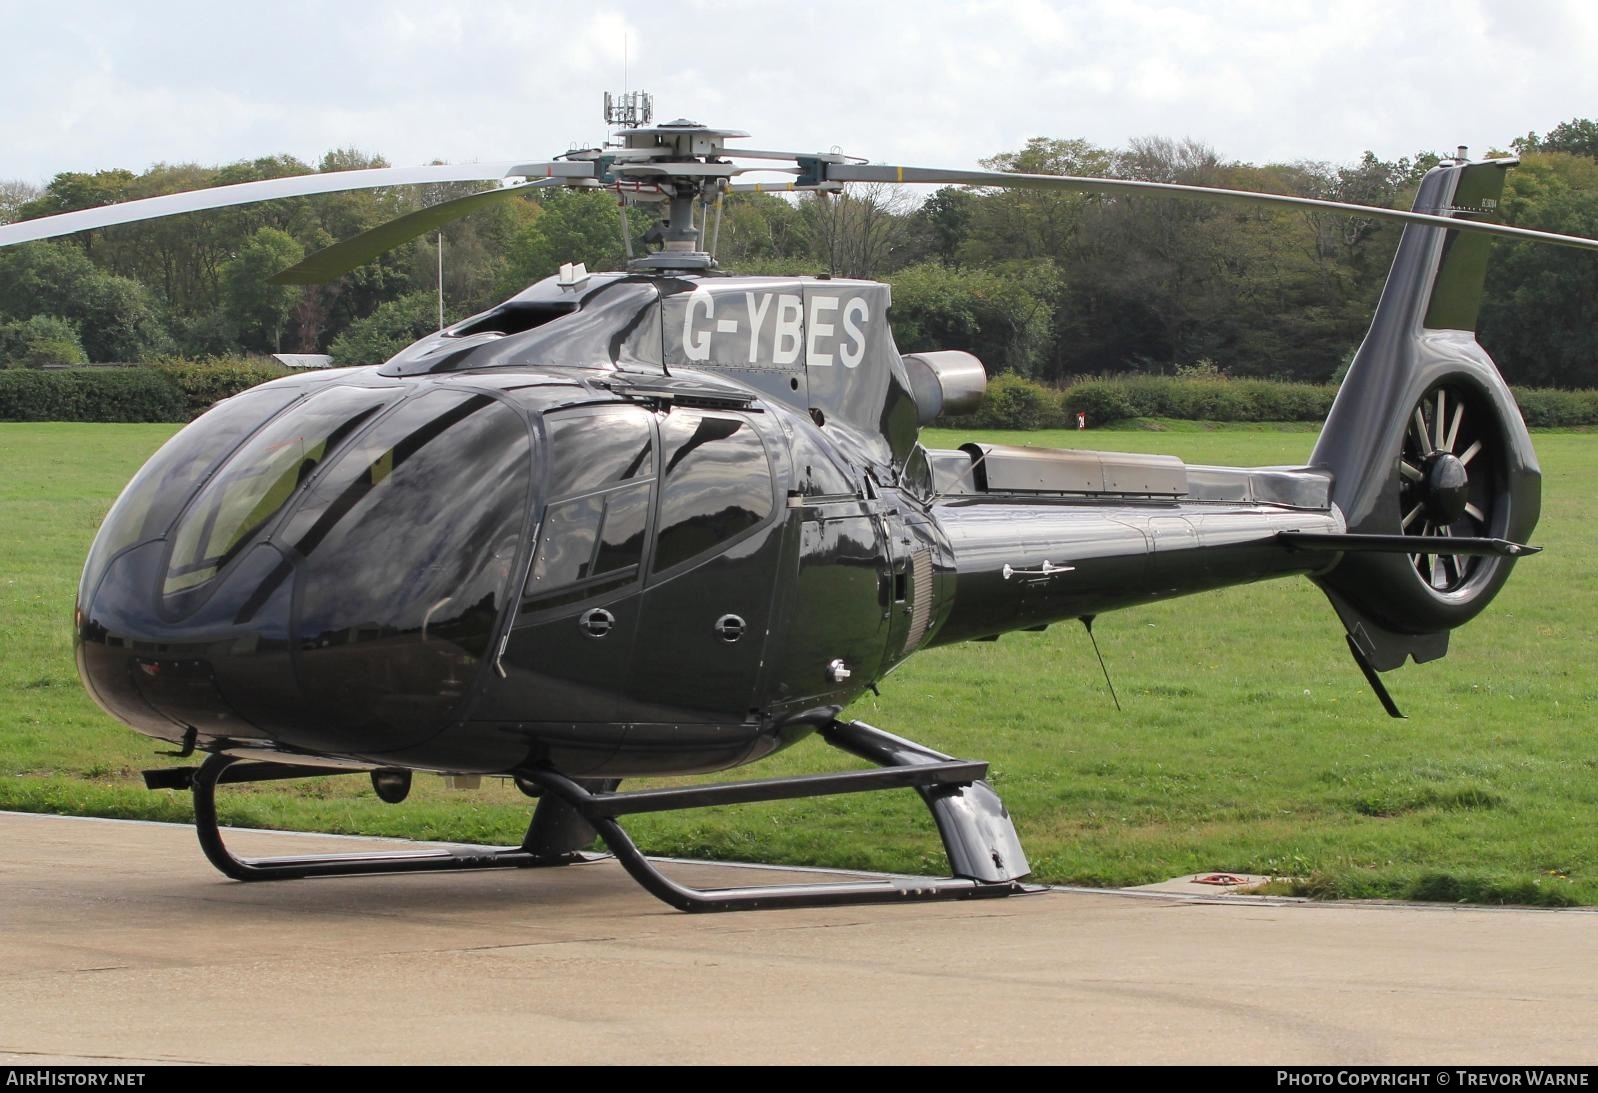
91 85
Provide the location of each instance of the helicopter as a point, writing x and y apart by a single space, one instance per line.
669 520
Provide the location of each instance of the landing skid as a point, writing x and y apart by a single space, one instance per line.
985 855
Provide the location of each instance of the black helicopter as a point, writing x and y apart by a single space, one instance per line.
669 521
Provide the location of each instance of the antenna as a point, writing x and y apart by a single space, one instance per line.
629 109
1087 621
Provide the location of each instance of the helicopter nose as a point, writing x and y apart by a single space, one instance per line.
347 607
171 677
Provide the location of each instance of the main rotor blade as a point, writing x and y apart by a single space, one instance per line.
851 172
332 262
244 193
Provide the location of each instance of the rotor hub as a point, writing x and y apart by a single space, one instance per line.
1447 487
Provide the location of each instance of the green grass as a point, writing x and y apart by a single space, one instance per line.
1248 741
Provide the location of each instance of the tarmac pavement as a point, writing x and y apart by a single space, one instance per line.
120 945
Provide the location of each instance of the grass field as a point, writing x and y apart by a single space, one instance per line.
1247 739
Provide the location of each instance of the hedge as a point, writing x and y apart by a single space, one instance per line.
166 391
97 394
1108 400
1209 399
175 390
1548 408
1014 402
205 382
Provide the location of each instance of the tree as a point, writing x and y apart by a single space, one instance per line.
14 194
1147 274
40 340
1539 315
73 190
1003 316
571 226
387 330
759 231
1576 137
478 250
946 216
1060 283
119 319
862 232
1011 224
257 308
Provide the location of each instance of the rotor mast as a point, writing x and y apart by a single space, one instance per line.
673 164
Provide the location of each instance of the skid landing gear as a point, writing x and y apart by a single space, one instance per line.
985 855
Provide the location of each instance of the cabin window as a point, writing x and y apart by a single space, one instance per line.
592 449
601 483
717 484
589 545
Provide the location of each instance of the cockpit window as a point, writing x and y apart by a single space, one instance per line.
592 449
254 485
414 532
717 484
371 460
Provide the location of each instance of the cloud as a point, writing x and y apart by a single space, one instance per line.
109 84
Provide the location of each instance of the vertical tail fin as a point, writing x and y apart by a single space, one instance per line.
1424 438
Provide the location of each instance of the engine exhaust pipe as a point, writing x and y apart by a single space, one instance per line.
949 381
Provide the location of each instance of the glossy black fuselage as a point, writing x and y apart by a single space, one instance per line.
629 549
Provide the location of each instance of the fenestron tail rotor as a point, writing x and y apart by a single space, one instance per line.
1448 481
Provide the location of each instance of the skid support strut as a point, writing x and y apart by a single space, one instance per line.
985 854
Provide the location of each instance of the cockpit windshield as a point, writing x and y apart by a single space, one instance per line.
366 540
152 500
260 478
